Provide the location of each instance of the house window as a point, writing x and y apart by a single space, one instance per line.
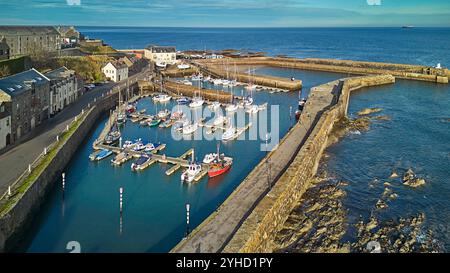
2 109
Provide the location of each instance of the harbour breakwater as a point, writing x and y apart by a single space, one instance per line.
176 90
214 69
403 71
15 219
248 220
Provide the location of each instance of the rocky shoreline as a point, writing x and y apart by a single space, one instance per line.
319 223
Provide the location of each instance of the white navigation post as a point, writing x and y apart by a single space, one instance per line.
187 219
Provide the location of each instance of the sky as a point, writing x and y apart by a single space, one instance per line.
227 13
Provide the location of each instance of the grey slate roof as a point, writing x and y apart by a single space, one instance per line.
59 73
162 49
27 30
18 83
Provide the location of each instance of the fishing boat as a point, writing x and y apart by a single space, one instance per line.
142 163
183 100
163 114
219 167
191 172
197 102
104 153
154 122
121 158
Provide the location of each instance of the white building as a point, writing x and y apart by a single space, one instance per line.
116 71
5 126
161 54
63 88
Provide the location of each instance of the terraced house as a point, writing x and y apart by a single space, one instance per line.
25 40
25 96
63 88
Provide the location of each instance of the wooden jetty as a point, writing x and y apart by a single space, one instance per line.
178 162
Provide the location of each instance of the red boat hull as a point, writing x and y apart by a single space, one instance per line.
219 172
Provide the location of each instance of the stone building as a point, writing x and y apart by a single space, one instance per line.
63 88
26 97
161 54
5 125
69 35
4 49
115 71
25 40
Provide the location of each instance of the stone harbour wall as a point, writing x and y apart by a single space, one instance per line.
258 230
404 71
15 221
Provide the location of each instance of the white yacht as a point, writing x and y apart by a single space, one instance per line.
229 134
196 102
190 128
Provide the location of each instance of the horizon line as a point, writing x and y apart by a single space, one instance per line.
212 27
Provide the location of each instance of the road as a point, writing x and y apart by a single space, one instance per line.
15 161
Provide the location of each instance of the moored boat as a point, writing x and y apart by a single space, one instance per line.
142 163
191 172
184 100
121 158
154 122
104 153
220 167
190 129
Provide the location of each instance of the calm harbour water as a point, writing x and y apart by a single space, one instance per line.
154 214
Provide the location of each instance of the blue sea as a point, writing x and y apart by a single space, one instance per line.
417 137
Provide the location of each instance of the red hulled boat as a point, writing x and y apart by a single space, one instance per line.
220 166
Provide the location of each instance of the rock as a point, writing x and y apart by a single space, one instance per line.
393 196
414 183
409 175
386 118
381 204
368 111
372 224
393 175
387 184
